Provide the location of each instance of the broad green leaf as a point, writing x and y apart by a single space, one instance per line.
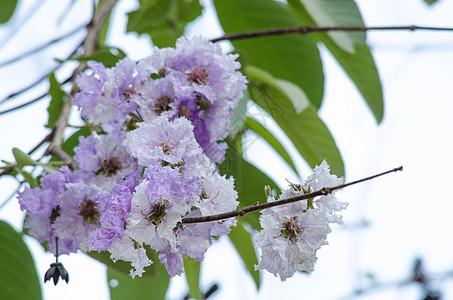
122 286
259 129
23 158
284 88
249 182
108 56
294 58
307 132
359 65
73 140
18 277
192 271
163 20
337 13
237 120
56 102
243 243
49 168
28 177
7 8
430 2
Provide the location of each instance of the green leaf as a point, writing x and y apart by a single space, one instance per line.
307 132
192 271
23 158
294 58
338 13
155 269
163 20
49 168
284 88
430 2
18 276
122 286
237 120
359 65
28 177
73 140
56 102
104 257
259 129
243 243
249 182
7 8
108 56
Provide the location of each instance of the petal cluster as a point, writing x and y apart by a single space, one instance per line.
291 234
161 123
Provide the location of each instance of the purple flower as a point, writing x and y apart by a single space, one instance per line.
113 214
79 213
104 160
164 142
106 95
43 209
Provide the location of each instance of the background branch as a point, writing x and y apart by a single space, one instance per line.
308 29
89 45
254 207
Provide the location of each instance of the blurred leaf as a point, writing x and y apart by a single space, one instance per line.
48 168
359 65
122 286
338 13
108 56
294 58
23 158
7 8
284 88
306 131
249 182
259 129
28 177
243 243
56 102
430 2
155 269
104 257
102 36
163 20
192 271
237 120
73 140
18 276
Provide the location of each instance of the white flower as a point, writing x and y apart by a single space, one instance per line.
292 233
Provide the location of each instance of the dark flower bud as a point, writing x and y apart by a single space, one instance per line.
56 271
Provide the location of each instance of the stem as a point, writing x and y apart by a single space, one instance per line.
254 207
89 45
308 29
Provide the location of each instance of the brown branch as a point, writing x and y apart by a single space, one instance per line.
89 46
254 207
308 29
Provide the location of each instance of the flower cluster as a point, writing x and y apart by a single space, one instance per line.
162 123
152 163
292 233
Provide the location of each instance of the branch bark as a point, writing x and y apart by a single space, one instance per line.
254 207
308 29
89 46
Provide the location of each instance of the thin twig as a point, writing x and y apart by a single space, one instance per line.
89 46
41 47
308 29
254 207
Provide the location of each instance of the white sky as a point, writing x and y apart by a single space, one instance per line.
409 212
